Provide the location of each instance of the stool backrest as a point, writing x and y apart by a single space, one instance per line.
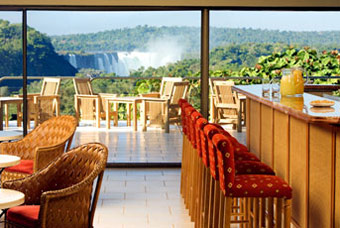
184 104
200 141
188 110
210 130
194 117
226 163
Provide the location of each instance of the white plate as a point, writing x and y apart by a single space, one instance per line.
322 104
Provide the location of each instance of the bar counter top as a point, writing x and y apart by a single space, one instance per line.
298 107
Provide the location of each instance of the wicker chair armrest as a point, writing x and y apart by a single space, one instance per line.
31 186
13 148
45 155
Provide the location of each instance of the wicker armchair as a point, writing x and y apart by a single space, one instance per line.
60 195
41 146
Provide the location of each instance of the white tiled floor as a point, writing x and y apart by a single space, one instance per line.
126 145
141 198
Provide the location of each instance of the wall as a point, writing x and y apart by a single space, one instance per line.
194 3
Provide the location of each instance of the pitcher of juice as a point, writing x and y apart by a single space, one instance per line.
287 83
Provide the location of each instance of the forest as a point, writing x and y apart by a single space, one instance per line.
141 37
41 57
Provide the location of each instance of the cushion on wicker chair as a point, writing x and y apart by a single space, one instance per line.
259 186
25 166
252 167
26 216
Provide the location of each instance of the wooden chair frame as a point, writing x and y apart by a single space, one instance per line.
92 105
49 95
166 110
226 103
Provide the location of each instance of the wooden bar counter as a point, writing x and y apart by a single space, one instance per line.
302 144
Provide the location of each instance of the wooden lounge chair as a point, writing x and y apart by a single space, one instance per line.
165 91
39 147
91 106
166 110
44 105
60 195
226 103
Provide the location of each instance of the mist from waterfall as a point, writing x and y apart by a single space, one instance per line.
159 52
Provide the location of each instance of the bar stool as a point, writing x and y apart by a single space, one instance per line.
242 167
254 188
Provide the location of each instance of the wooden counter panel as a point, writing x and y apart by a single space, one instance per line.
298 151
337 179
254 128
320 176
267 135
281 144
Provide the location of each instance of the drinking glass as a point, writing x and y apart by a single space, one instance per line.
275 87
265 87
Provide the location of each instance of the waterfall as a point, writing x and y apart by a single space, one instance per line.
73 60
120 63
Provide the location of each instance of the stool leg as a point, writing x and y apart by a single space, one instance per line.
256 212
262 212
278 213
270 212
221 210
211 201
206 197
199 192
227 211
287 213
216 206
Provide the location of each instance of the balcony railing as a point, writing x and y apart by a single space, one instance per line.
129 86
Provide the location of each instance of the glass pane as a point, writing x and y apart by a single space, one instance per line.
11 64
123 53
262 43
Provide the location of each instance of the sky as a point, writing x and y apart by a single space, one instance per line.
70 22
